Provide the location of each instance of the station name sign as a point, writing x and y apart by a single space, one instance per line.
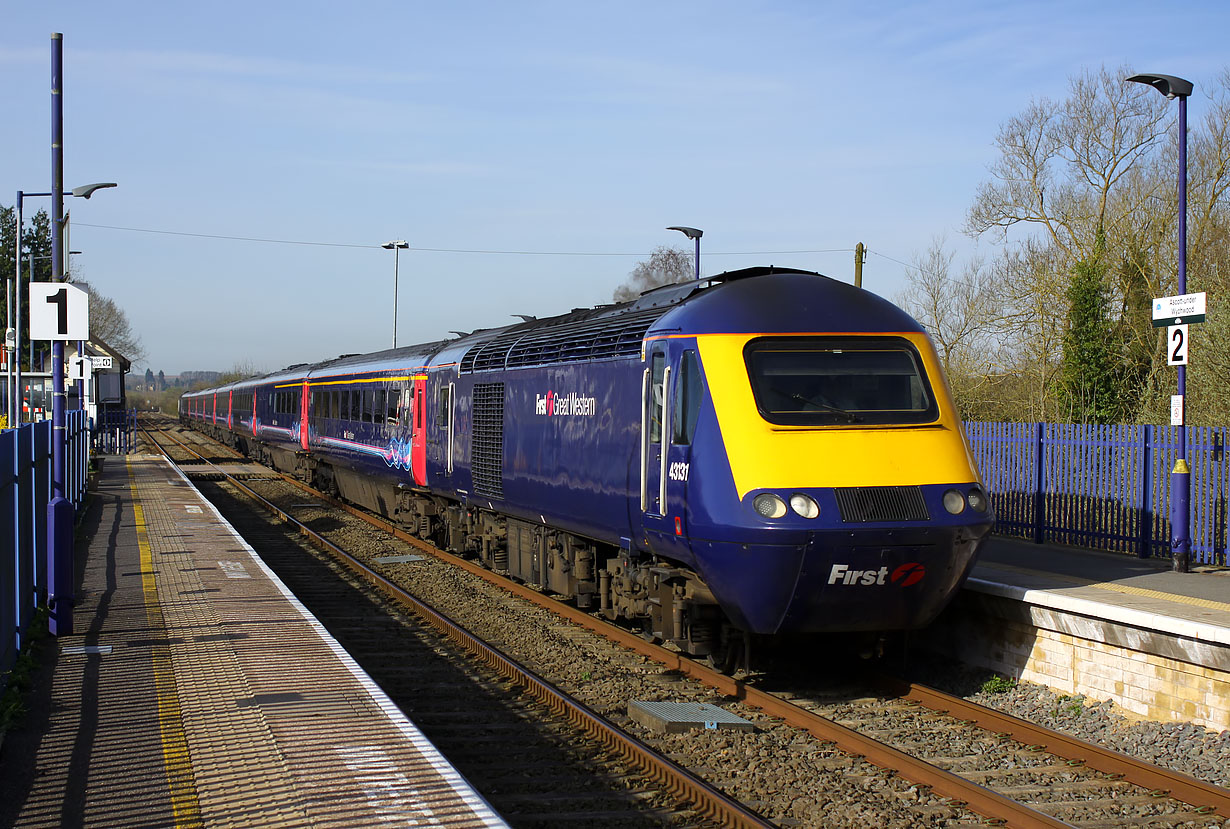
1178 310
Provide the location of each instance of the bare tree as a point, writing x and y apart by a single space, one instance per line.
242 370
665 266
1063 165
1091 181
963 316
109 323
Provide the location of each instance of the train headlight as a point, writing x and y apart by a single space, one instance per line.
954 502
804 505
769 505
977 500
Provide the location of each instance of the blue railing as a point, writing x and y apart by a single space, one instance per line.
114 431
1105 487
25 489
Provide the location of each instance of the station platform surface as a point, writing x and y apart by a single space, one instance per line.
1116 587
196 691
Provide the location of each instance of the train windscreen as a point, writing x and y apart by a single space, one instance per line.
835 381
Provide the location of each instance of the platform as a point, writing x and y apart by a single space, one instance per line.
197 691
1108 626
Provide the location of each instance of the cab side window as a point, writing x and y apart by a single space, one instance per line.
686 408
657 368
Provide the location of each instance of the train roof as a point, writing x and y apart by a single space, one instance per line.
795 301
730 302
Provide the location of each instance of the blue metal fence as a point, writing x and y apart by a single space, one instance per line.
115 430
25 489
1105 487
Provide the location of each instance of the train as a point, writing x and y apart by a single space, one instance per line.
762 452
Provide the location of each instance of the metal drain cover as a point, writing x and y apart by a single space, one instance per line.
397 559
673 717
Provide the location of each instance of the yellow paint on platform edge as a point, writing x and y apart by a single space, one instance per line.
175 756
1178 598
1207 604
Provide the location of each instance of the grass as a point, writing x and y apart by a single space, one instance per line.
998 685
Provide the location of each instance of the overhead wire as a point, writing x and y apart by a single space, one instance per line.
439 250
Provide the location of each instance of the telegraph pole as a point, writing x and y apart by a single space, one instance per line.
860 256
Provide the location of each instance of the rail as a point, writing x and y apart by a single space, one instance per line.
1207 799
681 783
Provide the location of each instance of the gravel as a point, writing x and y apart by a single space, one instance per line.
789 776
1184 747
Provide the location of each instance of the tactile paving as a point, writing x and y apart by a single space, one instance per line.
222 702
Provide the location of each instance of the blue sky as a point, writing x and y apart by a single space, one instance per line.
555 128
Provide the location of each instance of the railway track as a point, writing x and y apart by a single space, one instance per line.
929 757
540 757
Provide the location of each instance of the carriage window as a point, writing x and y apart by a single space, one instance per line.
443 400
688 390
356 405
406 409
827 381
392 408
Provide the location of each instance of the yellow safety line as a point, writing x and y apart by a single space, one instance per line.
1207 604
184 803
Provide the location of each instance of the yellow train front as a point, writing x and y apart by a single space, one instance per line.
812 467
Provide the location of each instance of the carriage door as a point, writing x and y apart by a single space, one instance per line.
305 406
443 426
418 434
667 419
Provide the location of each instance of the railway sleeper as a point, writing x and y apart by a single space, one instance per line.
669 604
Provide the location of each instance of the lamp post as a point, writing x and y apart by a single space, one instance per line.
395 246
1180 476
84 191
692 233
60 510
10 342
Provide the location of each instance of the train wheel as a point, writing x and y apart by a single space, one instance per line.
732 653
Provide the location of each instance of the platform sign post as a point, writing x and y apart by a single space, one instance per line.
1180 479
1175 314
61 513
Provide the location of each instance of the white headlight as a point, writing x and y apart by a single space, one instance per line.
977 500
954 502
804 505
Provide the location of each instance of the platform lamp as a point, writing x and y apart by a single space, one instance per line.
692 233
60 511
84 191
395 246
1180 476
